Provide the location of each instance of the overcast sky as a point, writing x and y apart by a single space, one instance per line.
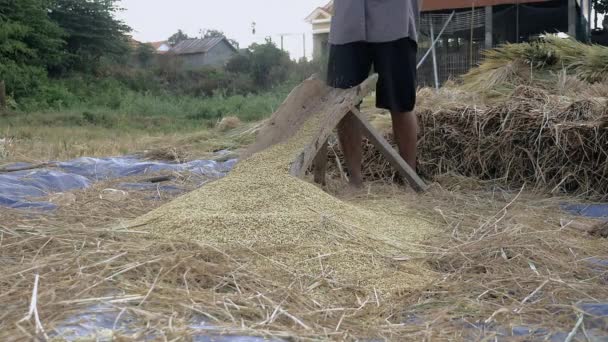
154 20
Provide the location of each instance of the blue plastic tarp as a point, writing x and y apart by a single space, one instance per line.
598 210
97 321
19 188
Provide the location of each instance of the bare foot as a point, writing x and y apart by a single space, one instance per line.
352 190
355 183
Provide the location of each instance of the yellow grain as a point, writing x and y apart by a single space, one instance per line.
289 222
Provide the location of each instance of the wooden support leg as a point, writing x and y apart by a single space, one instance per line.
390 154
320 165
334 110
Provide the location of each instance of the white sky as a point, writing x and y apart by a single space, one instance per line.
154 20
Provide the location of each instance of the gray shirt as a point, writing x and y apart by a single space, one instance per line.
374 21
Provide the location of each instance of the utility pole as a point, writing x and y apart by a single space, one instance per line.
471 45
489 27
304 44
435 69
572 18
517 22
283 35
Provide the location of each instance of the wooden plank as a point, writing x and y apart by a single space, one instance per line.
337 104
290 116
390 154
320 165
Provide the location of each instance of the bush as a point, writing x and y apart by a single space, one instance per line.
239 64
22 80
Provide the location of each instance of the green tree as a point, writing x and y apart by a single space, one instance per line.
269 65
240 63
30 43
177 37
144 54
93 31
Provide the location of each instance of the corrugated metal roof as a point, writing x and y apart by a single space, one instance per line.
435 5
189 46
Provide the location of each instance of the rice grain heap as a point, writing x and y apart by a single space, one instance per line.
291 228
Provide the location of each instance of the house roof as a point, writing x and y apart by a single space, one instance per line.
327 10
329 7
434 5
190 46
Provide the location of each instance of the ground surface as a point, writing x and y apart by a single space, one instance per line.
502 258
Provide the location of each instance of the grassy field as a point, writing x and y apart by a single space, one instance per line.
137 123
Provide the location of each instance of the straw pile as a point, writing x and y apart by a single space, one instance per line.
517 119
504 258
550 142
285 221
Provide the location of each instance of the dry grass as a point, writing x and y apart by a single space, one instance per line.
501 257
553 143
561 66
508 258
229 123
41 144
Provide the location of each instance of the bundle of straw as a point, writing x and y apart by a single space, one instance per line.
540 63
549 142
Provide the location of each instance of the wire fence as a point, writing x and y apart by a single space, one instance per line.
457 50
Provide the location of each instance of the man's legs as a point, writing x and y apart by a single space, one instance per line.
405 128
351 138
396 65
349 65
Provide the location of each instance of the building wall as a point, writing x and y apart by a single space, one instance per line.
220 54
320 45
191 61
321 27
456 53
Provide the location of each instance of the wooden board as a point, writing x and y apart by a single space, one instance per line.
320 165
335 106
390 154
290 116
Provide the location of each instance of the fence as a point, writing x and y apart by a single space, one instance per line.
460 46
457 50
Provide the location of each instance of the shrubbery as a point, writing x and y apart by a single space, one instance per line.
71 54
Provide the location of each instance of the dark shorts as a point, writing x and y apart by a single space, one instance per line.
395 62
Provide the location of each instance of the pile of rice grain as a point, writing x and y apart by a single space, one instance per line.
289 224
